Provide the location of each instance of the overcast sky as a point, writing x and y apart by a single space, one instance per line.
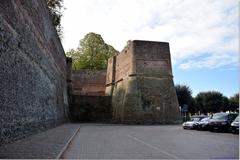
203 34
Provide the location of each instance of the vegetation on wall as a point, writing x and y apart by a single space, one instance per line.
92 53
56 7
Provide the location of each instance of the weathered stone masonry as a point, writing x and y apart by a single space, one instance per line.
89 82
140 82
37 83
33 85
89 102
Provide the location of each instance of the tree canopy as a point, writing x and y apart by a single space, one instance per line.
184 94
92 53
206 102
55 7
211 101
234 102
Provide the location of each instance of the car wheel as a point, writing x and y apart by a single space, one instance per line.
211 129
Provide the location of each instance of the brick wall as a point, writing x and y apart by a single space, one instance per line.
89 82
140 82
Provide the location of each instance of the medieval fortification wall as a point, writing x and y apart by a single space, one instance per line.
32 70
89 82
140 82
37 83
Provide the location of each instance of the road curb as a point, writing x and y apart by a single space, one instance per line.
67 144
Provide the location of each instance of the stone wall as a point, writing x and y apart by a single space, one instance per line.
89 82
141 84
89 103
32 70
91 108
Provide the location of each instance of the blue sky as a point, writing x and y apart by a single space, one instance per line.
203 34
200 80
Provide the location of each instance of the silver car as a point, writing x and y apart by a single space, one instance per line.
192 123
235 125
203 124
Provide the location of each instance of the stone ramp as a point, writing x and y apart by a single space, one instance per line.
45 145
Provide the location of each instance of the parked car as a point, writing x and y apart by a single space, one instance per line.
203 124
221 121
235 125
192 123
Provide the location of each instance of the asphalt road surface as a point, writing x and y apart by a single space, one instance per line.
150 142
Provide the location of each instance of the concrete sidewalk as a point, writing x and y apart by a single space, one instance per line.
45 145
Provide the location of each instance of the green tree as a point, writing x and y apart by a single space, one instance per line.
92 53
210 102
184 94
55 7
234 102
225 106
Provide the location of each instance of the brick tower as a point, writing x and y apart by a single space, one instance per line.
140 82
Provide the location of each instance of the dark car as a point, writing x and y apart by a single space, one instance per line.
221 121
192 123
235 125
203 124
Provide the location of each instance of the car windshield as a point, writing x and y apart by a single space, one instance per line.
220 116
205 119
195 119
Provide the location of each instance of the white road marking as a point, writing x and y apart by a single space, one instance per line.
154 147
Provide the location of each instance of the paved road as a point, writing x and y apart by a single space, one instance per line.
160 142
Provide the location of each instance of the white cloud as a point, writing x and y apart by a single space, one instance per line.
212 62
193 27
